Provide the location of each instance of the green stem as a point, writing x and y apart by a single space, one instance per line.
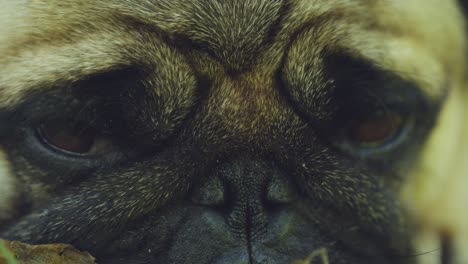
7 254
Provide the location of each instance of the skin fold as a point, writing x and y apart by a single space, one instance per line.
224 129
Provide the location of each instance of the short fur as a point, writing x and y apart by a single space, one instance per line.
241 91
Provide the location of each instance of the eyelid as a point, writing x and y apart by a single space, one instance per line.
68 98
359 77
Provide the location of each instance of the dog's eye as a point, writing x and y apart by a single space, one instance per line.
375 129
71 137
368 134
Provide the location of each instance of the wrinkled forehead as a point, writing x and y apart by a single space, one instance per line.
47 42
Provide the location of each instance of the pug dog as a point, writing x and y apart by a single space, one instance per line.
243 131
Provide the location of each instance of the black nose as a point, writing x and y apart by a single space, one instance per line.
246 191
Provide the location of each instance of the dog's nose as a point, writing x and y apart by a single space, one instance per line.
246 191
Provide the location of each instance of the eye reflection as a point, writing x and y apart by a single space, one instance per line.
375 129
72 137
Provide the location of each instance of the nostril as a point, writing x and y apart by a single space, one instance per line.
210 193
226 188
280 191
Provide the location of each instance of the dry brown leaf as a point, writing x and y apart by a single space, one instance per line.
45 254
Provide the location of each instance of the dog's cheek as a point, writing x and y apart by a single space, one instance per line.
435 192
8 194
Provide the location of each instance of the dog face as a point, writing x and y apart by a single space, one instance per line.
232 131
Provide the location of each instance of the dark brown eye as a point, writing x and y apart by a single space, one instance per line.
375 129
73 137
